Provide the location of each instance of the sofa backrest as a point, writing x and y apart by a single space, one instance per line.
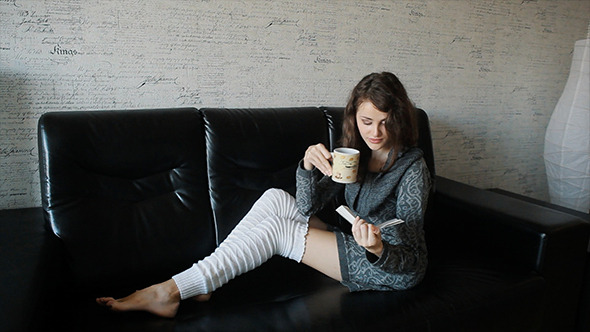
251 150
136 196
126 192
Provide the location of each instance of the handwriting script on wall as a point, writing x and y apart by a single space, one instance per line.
100 55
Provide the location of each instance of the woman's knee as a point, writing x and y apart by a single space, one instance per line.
275 192
278 196
281 203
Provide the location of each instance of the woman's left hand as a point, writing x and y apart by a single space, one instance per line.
368 236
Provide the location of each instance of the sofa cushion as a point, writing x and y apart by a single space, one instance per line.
126 192
251 150
459 293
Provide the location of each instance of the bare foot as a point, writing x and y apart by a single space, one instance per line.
160 299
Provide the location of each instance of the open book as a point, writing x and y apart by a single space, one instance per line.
347 214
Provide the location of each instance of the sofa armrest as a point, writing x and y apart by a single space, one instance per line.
31 270
519 233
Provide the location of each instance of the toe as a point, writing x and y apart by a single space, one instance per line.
104 300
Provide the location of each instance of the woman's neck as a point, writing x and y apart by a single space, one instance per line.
378 160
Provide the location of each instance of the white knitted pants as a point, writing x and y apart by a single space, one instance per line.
273 226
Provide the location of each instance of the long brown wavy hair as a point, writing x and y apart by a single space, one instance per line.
388 95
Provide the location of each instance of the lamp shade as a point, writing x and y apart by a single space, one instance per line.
567 140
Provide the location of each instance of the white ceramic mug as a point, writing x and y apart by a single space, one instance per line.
345 165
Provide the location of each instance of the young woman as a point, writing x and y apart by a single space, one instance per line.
394 182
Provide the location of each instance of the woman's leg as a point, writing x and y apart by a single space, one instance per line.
273 226
321 249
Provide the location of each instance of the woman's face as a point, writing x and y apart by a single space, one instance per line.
371 123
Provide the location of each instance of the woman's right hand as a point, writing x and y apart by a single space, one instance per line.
368 236
319 157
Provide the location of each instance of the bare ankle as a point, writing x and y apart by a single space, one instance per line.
171 290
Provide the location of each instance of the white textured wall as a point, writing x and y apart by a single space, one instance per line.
489 73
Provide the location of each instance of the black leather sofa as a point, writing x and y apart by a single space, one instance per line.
133 197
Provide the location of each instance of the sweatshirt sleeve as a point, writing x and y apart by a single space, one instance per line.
404 245
314 190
